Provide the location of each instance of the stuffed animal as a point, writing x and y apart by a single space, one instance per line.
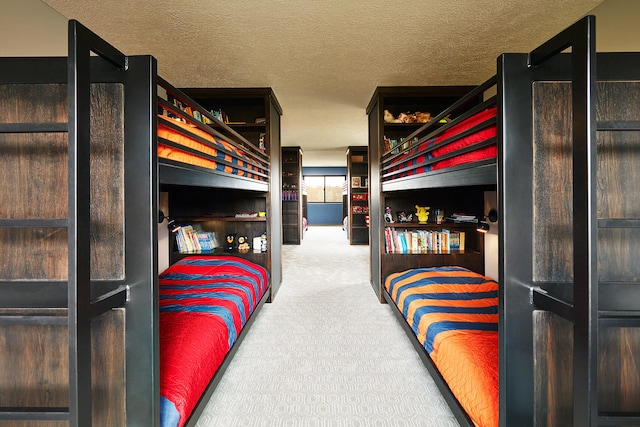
423 117
388 117
243 244
230 244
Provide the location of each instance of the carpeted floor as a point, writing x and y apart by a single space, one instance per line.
326 352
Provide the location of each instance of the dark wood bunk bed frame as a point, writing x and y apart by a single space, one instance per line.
79 312
566 175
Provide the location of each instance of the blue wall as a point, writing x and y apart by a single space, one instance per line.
324 213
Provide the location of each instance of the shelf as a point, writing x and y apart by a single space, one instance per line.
222 218
291 195
430 225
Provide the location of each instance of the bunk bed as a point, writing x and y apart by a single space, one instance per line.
205 302
218 294
565 168
87 136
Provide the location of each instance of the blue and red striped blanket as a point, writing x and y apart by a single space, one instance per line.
204 303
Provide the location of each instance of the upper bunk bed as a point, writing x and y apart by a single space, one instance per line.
456 147
196 148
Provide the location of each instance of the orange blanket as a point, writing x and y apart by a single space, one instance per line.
454 314
235 160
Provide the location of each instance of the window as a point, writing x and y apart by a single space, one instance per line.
324 189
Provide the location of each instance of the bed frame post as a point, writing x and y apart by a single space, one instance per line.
514 180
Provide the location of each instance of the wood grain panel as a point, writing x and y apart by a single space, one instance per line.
552 193
619 369
107 181
34 369
618 177
553 370
34 166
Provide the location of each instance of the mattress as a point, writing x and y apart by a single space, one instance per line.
205 302
453 313
212 153
429 150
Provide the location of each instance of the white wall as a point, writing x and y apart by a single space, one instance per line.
31 28
617 28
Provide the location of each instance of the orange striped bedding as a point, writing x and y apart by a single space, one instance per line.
229 158
454 314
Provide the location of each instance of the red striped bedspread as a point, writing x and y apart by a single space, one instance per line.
205 302
459 140
454 314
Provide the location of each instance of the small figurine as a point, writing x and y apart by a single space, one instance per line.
263 242
243 244
402 216
230 244
422 212
387 215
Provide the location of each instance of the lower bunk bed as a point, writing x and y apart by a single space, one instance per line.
451 316
207 304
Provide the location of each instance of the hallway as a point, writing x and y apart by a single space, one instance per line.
326 352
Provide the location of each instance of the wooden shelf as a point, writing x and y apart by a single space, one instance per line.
358 171
221 218
292 208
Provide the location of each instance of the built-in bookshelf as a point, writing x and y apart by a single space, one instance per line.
358 195
242 217
292 195
429 244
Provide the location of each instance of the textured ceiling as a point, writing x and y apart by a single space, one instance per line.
324 58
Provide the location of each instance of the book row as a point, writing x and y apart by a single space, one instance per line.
423 241
190 241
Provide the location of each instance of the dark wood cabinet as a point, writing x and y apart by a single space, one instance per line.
358 195
292 196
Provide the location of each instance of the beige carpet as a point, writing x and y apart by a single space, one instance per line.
326 353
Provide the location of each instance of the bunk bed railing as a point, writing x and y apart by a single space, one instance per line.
214 126
465 146
434 127
430 146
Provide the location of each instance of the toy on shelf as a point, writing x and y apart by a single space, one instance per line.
422 212
417 117
230 244
243 244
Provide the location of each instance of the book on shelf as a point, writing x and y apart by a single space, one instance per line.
456 240
422 241
457 217
191 241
